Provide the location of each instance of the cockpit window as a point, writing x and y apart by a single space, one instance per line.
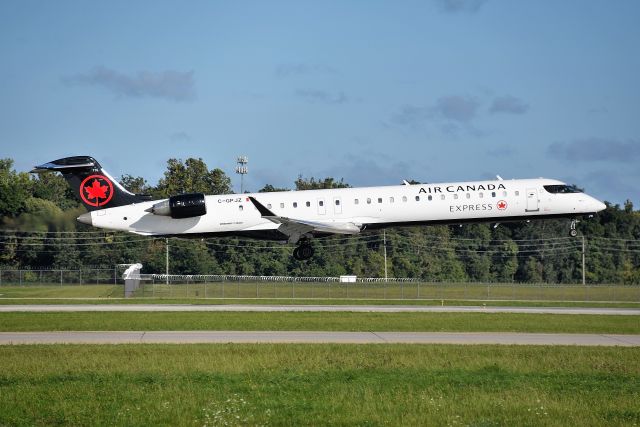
562 189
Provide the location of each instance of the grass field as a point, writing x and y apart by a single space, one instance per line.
62 291
318 321
130 385
413 292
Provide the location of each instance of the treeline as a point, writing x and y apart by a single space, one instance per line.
39 230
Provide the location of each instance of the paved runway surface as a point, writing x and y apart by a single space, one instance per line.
191 337
316 308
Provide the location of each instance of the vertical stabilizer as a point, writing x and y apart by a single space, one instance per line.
93 186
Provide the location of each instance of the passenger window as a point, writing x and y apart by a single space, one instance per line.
390 199
493 194
417 198
308 204
504 194
468 196
379 199
368 201
240 207
404 198
337 202
430 197
282 205
517 193
321 203
455 196
295 204
268 205
355 202
442 197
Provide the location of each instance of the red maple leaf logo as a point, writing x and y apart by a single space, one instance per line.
96 191
502 205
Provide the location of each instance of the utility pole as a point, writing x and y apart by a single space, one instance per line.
384 242
166 259
584 282
242 170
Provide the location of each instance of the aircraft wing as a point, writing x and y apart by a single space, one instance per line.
294 229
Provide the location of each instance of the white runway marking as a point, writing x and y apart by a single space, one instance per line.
315 308
193 337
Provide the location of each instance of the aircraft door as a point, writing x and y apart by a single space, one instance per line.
532 200
322 209
337 205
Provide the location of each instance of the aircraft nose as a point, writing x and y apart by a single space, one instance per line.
598 205
85 218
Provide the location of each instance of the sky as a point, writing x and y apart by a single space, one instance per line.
370 91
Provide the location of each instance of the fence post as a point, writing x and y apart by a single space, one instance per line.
20 275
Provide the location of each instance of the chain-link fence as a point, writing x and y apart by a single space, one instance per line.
279 287
276 287
49 277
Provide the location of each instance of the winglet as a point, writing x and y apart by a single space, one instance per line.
261 208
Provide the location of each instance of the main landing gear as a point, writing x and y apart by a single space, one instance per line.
303 251
572 231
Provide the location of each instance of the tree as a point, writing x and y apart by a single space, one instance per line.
271 189
15 188
192 176
53 187
313 184
135 184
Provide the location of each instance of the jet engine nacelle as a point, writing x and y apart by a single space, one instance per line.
182 206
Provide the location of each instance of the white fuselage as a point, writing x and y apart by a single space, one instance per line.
367 206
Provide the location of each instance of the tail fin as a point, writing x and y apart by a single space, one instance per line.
95 188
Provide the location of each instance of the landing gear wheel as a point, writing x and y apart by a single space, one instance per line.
573 232
303 252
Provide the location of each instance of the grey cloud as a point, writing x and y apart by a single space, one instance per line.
372 168
171 85
321 96
501 152
289 70
460 6
598 110
181 137
457 108
611 186
448 113
410 115
508 104
595 150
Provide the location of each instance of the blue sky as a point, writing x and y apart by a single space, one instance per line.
371 91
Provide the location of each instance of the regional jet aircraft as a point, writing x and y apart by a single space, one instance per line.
298 216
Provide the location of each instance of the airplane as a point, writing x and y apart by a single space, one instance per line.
298 216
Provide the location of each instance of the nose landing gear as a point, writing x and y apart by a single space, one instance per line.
572 231
303 251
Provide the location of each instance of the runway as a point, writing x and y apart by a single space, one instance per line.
314 308
302 337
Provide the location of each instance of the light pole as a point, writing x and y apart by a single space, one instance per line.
242 170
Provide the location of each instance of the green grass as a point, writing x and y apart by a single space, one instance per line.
129 385
318 321
407 291
287 293
288 301
62 291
